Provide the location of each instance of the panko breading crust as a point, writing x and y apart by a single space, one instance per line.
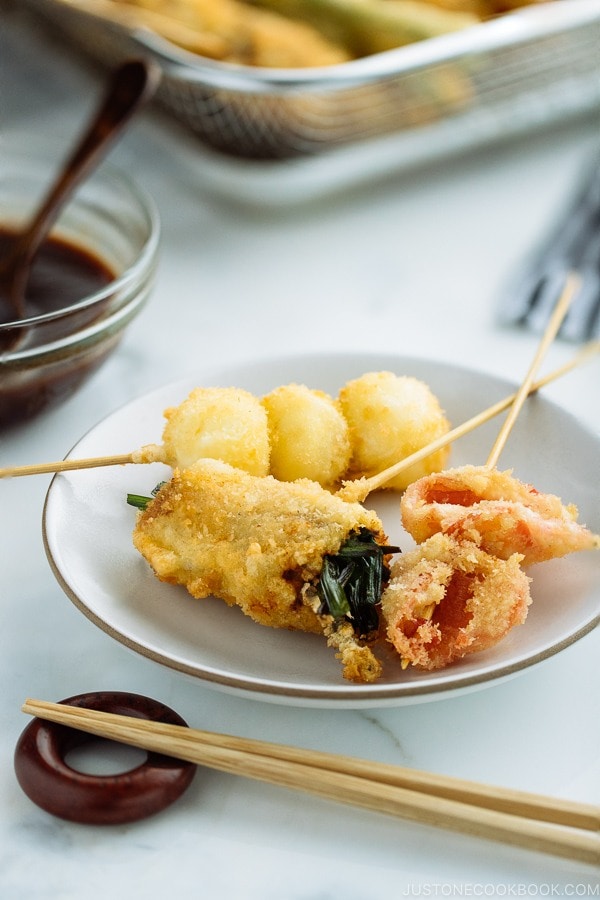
496 511
229 424
391 417
309 435
253 542
447 598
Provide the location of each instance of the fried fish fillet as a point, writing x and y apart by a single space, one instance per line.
257 543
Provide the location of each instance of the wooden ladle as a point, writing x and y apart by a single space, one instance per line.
130 86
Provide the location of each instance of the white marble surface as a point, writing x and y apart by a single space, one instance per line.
411 264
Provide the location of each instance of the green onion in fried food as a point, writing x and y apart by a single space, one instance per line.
351 581
141 501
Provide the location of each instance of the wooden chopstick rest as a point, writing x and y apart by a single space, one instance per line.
98 799
521 819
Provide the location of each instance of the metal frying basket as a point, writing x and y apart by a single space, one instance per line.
510 75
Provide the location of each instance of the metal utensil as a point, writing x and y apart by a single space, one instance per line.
130 85
572 246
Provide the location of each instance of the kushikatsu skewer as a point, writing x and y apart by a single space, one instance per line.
360 488
292 554
463 587
354 490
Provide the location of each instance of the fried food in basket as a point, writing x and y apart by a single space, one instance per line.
483 9
224 30
295 33
372 26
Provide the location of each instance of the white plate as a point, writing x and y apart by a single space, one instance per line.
88 526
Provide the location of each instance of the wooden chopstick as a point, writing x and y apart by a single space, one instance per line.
518 818
571 288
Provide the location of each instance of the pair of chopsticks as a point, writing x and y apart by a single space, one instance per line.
530 821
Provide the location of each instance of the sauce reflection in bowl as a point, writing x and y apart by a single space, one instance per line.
91 278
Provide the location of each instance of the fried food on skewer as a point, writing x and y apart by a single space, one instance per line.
390 417
309 435
462 589
506 523
298 432
469 597
271 548
448 598
218 423
356 490
501 514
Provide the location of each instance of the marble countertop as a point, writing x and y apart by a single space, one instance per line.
410 263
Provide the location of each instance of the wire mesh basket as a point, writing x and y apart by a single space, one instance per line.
520 71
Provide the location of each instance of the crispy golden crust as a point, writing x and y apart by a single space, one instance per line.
448 598
358 660
391 417
498 512
309 435
253 542
229 424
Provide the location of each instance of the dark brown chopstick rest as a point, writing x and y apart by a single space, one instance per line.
99 799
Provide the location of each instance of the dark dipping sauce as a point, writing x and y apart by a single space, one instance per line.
61 274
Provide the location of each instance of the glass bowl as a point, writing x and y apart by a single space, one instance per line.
111 221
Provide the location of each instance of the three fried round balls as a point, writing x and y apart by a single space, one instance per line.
298 432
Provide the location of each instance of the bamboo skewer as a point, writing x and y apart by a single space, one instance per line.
572 285
148 454
65 465
518 818
515 402
151 452
361 487
562 306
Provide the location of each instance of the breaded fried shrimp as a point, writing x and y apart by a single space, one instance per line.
448 598
499 513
